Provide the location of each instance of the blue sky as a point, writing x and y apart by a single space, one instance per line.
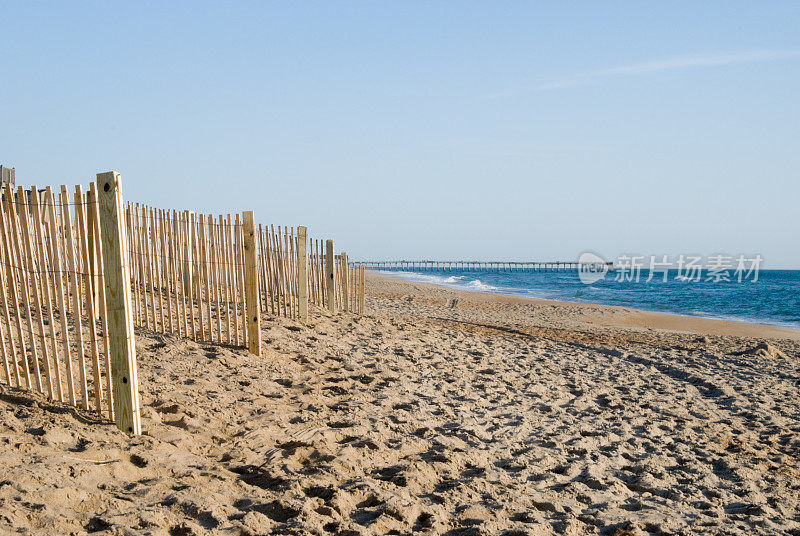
523 131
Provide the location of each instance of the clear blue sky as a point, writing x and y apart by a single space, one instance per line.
426 129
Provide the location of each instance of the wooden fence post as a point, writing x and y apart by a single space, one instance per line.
251 284
188 264
330 265
302 272
118 303
345 285
361 289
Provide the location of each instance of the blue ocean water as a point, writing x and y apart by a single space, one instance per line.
773 299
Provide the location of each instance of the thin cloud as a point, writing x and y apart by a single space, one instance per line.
706 60
668 64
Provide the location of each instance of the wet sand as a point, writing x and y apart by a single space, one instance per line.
440 412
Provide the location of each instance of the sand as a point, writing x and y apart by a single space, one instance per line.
440 412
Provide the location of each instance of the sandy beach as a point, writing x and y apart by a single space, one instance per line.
439 412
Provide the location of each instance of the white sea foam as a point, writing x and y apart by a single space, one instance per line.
426 278
452 281
477 284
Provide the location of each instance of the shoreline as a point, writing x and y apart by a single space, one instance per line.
633 317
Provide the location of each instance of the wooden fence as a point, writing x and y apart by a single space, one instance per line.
66 322
188 274
53 332
280 264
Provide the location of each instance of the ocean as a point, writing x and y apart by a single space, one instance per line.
774 298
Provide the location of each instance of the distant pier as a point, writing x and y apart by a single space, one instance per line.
484 266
